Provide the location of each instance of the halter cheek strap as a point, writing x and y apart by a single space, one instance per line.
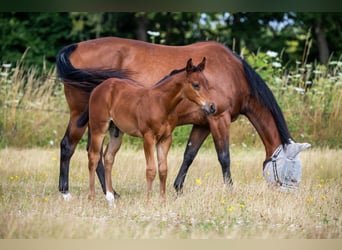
274 164
273 167
266 161
274 156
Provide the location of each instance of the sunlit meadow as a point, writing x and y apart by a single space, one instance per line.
31 206
34 116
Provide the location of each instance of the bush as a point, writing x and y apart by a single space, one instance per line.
309 94
33 110
32 107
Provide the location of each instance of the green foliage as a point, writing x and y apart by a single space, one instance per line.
32 107
308 92
33 110
43 34
40 34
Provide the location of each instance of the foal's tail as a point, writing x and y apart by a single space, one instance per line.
85 79
263 94
84 118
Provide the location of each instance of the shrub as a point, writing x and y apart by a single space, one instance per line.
33 110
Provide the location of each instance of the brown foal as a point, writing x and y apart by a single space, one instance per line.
122 106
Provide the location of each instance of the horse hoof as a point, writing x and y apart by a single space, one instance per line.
116 195
110 199
67 196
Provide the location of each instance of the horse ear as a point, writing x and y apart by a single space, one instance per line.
202 64
189 66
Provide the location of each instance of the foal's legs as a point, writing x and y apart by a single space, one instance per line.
197 136
113 146
93 159
162 151
149 147
100 171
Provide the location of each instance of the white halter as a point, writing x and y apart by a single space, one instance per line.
284 169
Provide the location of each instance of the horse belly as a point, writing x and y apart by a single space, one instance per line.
127 123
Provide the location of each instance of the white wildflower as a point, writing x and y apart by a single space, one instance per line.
271 53
276 64
153 33
6 65
299 90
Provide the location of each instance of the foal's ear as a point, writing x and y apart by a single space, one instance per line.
202 64
189 66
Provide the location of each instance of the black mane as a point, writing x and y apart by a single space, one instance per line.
264 95
174 72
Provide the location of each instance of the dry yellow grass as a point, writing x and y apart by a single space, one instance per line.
31 206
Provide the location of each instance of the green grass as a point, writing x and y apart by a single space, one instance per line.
31 206
33 119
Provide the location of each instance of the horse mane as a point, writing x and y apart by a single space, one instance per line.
86 78
174 72
264 95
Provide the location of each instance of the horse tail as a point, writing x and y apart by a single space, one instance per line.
85 79
264 95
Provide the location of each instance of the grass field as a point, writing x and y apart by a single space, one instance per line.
31 206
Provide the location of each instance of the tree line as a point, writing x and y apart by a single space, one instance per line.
40 35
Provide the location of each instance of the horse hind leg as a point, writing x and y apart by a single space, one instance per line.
100 171
93 159
113 146
68 144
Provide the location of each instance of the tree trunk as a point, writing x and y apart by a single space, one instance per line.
142 23
322 44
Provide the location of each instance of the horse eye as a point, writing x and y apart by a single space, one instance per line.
196 86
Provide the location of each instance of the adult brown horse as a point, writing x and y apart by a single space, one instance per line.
237 87
148 113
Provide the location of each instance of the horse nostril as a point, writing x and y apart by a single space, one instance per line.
212 109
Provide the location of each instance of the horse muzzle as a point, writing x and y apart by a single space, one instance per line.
209 108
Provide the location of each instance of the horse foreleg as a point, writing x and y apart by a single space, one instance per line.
68 144
163 148
219 128
109 157
149 146
197 136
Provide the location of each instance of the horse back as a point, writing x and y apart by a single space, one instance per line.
151 62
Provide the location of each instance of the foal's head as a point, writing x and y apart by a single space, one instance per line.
196 88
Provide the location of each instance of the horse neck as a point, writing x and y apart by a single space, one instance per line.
265 124
262 109
169 92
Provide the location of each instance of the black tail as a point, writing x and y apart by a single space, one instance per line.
264 95
87 78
